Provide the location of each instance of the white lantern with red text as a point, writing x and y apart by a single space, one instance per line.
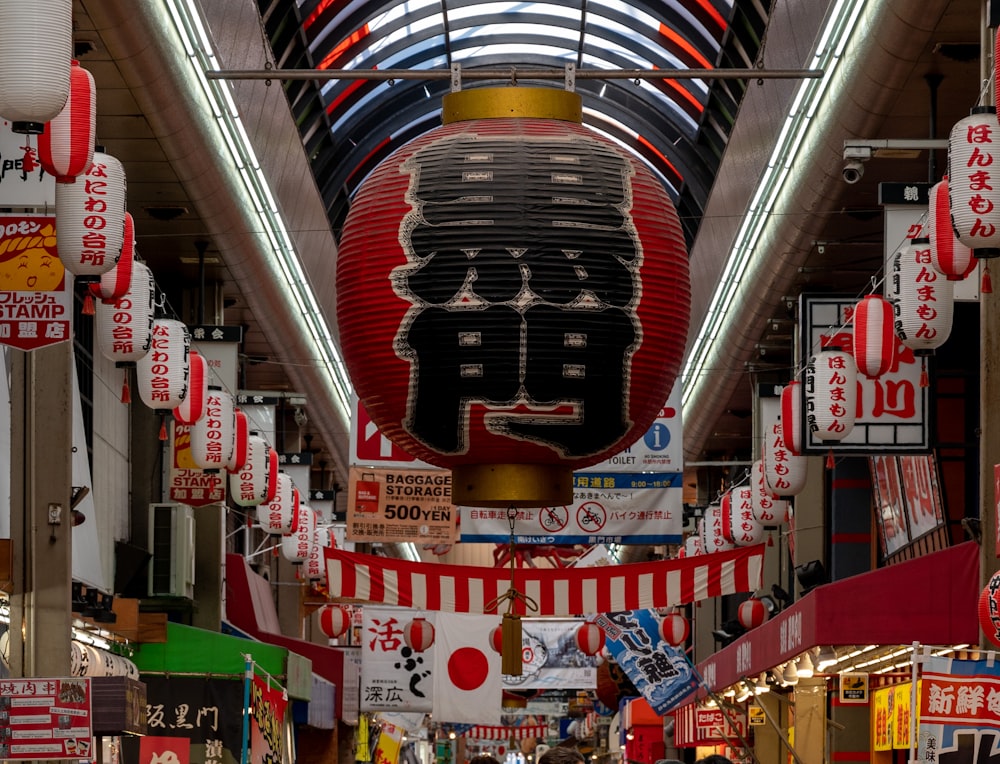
90 219
923 299
713 539
66 144
314 568
36 48
192 408
124 326
248 485
831 389
739 524
115 283
785 473
768 509
791 416
974 182
278 515
162 374
241 438
751 613
589 638
874 338
418 634
334 620
296 546
675 629
212 435
949 256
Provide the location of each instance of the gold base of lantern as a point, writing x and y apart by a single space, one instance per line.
511 485
495 103
511 658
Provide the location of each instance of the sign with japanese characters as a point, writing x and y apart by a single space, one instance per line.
267 720
45 719
23 182
393 676
959 719
189 484
661 673
893 411
551 658
392 505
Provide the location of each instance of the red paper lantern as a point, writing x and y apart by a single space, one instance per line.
192 408
115 283
751 613
418 634
791 416
162 374
675 629
334 620
36 47
66 145
831 394
278 515
124 327
923 300
874 337
949 256
248 486
90 219
589 638
496 639
241 440
513 296
296 546
785 473
973 189
212 435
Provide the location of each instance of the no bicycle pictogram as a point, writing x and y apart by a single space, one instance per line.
591 516
553 519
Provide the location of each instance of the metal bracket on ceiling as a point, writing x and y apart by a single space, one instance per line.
570 80
456 78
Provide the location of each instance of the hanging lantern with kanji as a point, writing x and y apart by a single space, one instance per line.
162 374
923 300
277 516
791 416
66 144
296 546
989 610
973 192
334 620
675 629
212 435
712 537
248 485
314 568
36 48
874 336
693 545
115 283
241 441
124 327
192 408
90 219
418 634
751 613
739 526
949 256
831 390
785 472
589 638
768 509
513 296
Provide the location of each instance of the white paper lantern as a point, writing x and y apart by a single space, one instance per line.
90 219
66 144
740 527
116 282
923 300
277 516
949 256
248 485
36 48
675 629
192 408
874 337
831 389
314 568
241 441
974 181
212 435
162 374
785 473
296 546
768 509
713 539
124 327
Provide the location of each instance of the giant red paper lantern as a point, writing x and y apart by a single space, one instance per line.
66 145
212 435
334 620
973 181
675 629
989 609
419 634
589 638
248 486
162 374
751 613
513 296
949 256
874 337
923 300
36 48
831 390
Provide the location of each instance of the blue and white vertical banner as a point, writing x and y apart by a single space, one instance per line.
660 672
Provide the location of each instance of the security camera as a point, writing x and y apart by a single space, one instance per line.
853 170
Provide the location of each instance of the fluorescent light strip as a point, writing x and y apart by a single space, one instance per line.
840 24
188 22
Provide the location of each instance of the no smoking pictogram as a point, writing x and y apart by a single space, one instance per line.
591 516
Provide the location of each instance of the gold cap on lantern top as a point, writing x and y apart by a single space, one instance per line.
511 485
518 102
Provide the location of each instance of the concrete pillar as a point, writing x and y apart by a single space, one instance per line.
809 720
209 544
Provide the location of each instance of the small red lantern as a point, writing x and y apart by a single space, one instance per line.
923 299
162 374
248 486
589 638
241 440
791 416
496 639
975 208
36 47
751 613
277 516
192 408
949 256
212 435
334 620
90 219
874 337
296 546
513 296
675 629
419 634
66 145
831 394
116 282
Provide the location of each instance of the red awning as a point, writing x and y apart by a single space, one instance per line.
250 608
931 600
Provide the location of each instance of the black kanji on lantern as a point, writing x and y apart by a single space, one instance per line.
523 276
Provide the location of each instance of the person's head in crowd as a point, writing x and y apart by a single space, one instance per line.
714 758
483 758
562 755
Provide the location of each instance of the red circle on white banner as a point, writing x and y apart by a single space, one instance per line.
468 668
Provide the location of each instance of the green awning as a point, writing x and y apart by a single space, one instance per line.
189 650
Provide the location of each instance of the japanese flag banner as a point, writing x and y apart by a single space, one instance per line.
393 676
468 684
